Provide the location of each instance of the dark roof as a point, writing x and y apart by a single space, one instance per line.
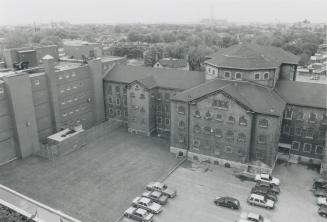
257 98
251 56
166 78
173 63
303 93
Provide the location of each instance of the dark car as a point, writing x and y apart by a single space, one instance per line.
322 211
228 202
274 188
244 176
319 183
265 192
320 192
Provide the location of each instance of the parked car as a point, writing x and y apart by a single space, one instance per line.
138 214
147 204
156 196
322 201
266 192
267 178
319 183
322 211
244 175
320 192
274 188
228 202
252 217
261 201
161 187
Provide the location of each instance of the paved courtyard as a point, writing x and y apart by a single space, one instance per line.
97 182
197 186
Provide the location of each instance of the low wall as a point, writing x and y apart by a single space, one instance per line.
79 140
44 213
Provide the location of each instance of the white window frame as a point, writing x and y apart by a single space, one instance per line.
230 75
36 82
289 118
316 148
257 73
304 148
238 73
299 145
264 75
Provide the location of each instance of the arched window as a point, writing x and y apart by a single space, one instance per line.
181 124
197 129
241 138
218 133
243 121
207 130
263 123
208 115
231 120
197 113
312 117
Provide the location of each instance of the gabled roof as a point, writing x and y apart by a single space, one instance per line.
257 98
303 93
251 57
165 78
173 63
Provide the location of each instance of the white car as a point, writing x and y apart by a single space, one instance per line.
252 217
161 187
261 201
267 178
322 201
147 204
138 214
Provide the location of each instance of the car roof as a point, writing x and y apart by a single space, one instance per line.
228 198
141 211
156 193
158 184
145 200
257 196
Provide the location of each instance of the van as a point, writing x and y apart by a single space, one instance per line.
261 201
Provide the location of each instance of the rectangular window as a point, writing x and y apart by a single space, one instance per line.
227 75
2 90
118 102
181 110
167 121
298 131
221 104
36 82
238 75
296 145
117 89
307 148
196 143
319 149
118 112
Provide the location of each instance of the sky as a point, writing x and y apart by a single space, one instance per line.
17 12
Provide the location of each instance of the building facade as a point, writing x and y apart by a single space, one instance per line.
52 97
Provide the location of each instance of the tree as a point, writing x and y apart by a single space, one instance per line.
16 39
152 55
197 56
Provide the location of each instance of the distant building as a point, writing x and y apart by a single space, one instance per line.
172 63
77 49
31 55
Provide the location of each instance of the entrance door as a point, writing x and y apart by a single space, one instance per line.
7 151
284 150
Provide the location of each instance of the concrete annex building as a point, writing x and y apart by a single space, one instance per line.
246 109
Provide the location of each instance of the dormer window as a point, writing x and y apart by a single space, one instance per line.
238 75
257 76
221 104
227 74
266 76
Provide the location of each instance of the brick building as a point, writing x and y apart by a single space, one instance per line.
140 96
241 114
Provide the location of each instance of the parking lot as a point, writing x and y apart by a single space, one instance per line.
197 185
96 183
